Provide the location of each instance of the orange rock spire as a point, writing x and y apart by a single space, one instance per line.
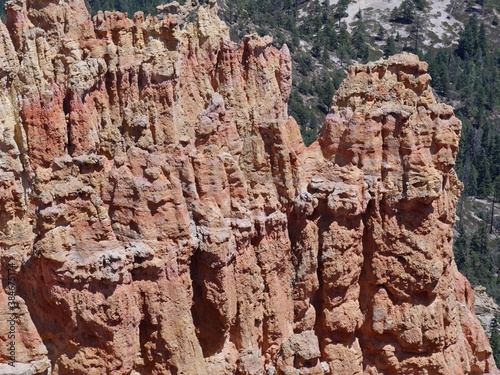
163 216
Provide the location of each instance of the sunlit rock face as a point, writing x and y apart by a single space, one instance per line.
164 217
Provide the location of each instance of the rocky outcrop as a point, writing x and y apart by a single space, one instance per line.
159 213
485 307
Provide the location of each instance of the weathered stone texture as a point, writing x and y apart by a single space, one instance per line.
165 217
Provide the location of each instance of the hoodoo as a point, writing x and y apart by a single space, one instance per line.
160 214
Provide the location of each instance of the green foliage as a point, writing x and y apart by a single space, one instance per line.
304 116
407 10
304 63
470 76
405 13
475 259
438 69
485 184
420 4
341 10
390 47
495 337
360 50
461 252
127 6
345 46
380 33
330 37
325 85
468 45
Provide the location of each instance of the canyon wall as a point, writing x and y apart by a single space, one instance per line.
160 214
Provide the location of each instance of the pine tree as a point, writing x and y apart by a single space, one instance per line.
468 43
482 257
341 10
485 182
496 189
394 14
495 158
407 11
317 48
420 4
361 49
380 33
481 40
325 7
345 46
460 251
417 31
390 47
485 187
495 199
331 37
440 77
495 337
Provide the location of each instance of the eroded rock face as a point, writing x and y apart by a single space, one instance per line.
164 216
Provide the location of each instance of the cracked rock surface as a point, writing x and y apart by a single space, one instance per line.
165 217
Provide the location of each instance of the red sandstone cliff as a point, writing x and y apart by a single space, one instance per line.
164 217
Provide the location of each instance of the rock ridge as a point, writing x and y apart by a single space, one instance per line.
163 215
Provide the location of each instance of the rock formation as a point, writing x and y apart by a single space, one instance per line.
163 216
485 307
